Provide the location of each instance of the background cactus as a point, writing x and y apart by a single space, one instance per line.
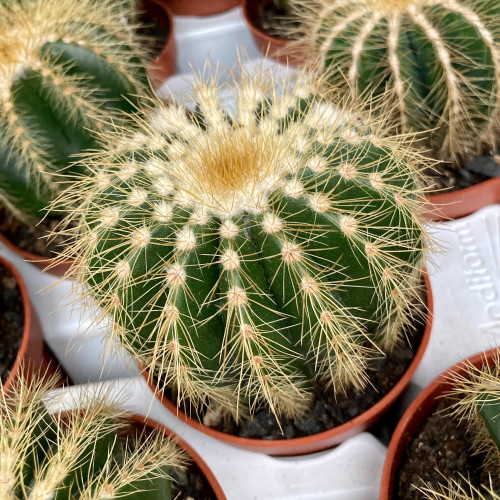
436 63
66 68
242 255
77 455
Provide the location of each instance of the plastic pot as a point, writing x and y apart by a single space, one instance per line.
199 7
50 265
31 355
202 465
466 201
322 440
271 46
416 415
164 64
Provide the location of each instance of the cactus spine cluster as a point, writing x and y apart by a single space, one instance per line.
243 254
77 454
66 68
436 63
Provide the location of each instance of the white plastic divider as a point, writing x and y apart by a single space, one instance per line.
352 471
220 37
68 331
465 280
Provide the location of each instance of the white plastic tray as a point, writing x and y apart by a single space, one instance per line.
349 472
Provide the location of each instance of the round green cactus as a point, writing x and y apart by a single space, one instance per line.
77 454
435 63
66 68
244 254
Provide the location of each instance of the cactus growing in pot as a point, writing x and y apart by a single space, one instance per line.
77 454
448 449
67 67
436 63
476 405
476 395
243 255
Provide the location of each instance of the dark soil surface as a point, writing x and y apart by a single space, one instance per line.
11 321
190 484
327 410
33 239
440 452
446 178
275 19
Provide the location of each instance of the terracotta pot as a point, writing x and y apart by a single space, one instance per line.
460 203
202 465
43 263
271 46
32 355
415 416
163 65
322 440
199 7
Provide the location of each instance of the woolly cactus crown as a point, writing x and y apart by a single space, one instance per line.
436 63
77 454
66 68
242 254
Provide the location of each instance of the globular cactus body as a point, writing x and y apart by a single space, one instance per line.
435 62
243 255
78 454
66 68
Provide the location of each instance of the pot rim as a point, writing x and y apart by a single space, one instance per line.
418 412
214 7
51 265
257 31
457 204
27 318
163 64
321 440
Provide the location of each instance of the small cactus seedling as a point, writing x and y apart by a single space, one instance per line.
243 254
77 454
436 63
66 68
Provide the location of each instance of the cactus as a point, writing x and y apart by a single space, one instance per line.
477 405
66 68
436 63
77 454
244 254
